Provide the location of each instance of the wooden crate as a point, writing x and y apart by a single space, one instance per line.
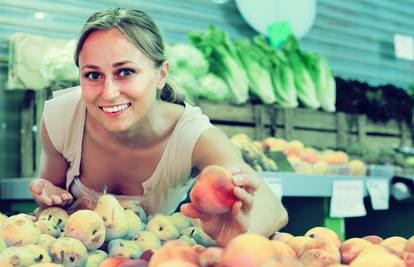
338 130
253 120
313 127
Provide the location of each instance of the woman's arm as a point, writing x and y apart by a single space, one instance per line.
214 148
48 189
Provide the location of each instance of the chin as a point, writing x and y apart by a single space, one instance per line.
117 127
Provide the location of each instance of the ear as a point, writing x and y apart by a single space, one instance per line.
165 70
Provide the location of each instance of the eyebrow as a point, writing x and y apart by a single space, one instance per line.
117 64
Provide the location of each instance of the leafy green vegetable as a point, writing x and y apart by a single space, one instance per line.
280 72
304 85
187 57
213 88
57 64
323 79
224 61
258 73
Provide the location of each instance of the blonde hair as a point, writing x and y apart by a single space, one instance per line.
139 28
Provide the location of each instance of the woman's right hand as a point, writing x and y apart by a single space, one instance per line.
47 194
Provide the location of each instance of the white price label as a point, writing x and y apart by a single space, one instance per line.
275 184
404 46
347 199
379 192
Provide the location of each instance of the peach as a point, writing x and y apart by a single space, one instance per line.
396 243
374 249
320 168
357 168
174 250
273 144
293 148
258 145
297 243
310 155
241 138
374 239
211 257
322 244
86 226
113 262
281 249
213 192
247 250
281 236
324 233
378 260
19 230
318 258
48 264
407 257
282 262
294 160
134 263
177 263
351 248
409 246
335 157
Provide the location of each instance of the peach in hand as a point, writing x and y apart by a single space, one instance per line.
213 192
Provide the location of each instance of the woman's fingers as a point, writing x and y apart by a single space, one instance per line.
245 198
43 200
246 180
191 211
56 199
66 198
37 186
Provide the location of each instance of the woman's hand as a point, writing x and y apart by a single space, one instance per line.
47 194
224 227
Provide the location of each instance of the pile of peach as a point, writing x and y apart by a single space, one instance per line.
319 247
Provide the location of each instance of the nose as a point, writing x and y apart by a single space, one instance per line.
110 90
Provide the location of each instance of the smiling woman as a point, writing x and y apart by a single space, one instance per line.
114 132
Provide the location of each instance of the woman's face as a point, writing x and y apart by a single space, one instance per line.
118 81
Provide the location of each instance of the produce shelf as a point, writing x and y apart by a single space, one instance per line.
293 184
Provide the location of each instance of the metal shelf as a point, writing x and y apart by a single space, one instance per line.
293 184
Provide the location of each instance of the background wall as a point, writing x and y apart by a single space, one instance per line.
356 36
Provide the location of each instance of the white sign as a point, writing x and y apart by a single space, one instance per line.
379 192
347 199
275 184
404 46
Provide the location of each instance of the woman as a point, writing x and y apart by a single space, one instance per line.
122 130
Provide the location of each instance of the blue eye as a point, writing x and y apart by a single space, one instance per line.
92 75
126 72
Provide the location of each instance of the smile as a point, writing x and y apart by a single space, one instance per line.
114 109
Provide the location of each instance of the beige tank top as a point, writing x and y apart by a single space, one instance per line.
64 118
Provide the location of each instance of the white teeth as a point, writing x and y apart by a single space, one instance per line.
115 108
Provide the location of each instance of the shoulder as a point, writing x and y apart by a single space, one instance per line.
65 96
63 114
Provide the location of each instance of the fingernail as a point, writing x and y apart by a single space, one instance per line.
234 169
237 179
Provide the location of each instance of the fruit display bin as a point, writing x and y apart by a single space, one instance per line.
305 196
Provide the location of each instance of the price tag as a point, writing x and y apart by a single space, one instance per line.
347 199
379 192
275 184
279 32
404 46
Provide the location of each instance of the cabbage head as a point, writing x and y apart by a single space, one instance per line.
214 89
188 58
